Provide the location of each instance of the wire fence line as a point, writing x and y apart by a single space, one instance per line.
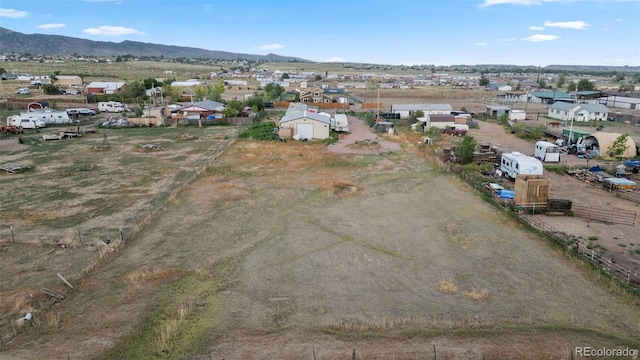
592 254
77 235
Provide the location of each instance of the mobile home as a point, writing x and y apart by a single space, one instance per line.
515 163
547 152
46 116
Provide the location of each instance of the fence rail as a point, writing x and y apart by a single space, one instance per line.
587 252
628 195
611 215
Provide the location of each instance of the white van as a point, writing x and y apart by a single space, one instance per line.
547 151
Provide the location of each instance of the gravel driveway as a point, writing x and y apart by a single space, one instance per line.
359 133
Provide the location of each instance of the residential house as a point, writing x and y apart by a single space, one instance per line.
104 87
406 110
199 110
578 112
315 96
303 122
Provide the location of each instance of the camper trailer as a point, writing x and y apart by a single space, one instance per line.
48 116
515 163
25 123
339 122
547 152
111 106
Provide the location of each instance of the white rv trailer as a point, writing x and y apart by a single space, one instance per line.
515 163
547 152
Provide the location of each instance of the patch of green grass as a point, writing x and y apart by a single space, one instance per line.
261 131
558 169
593 238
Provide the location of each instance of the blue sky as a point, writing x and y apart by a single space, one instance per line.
519 32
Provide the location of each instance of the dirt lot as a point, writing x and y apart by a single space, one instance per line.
284 250
620 240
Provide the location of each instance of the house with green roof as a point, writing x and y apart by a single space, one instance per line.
551 97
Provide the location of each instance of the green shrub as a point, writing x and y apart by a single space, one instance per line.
261 131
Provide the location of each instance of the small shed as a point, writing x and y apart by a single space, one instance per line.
517 115
497 111
531 191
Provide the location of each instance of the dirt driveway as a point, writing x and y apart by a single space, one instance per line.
361 140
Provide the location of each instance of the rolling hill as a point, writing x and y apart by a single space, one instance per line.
15 42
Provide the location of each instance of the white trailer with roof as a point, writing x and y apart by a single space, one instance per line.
515 163
547 151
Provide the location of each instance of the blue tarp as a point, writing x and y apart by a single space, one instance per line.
506 194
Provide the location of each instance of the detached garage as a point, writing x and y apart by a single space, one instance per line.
304 124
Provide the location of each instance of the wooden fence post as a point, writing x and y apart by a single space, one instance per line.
13 238
121 234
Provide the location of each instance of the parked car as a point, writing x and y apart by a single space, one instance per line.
23 91
86 112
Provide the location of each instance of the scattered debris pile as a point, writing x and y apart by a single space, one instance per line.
488 153
186 137
150 148
15 168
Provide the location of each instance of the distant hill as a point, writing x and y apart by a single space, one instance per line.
40 44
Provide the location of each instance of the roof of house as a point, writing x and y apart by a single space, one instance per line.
595 108
300 110
295 115
206 105
560 105
424 107
442 118
106 84
551 94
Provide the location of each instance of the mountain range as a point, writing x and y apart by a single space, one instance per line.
56 45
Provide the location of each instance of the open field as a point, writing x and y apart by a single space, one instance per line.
284 250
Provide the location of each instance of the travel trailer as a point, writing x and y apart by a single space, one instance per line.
547 152
515 163
111 106
25 123
339 122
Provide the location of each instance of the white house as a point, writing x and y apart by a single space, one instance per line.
578 112
406 110
305 122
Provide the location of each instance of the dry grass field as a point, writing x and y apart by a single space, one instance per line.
226 248
283 250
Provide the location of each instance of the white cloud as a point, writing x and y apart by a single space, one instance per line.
536 28
507 39
578 25
335 59
540 38
271 47
112 31
619 20
480 43
13 13
51 26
